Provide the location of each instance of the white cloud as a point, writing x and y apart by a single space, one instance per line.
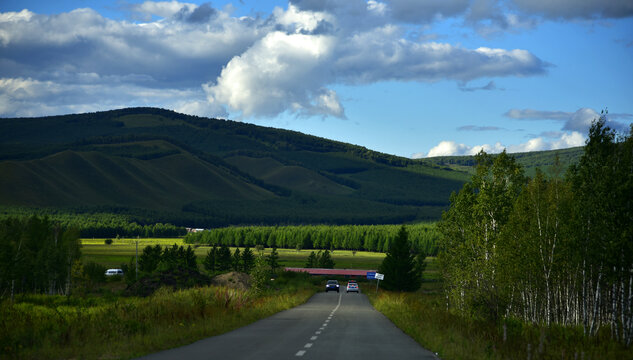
290 70
451 148
279 73
258 67
25 97
578 121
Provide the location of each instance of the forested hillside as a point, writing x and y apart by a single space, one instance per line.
155 165
152 165
529 161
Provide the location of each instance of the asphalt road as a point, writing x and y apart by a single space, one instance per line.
329 326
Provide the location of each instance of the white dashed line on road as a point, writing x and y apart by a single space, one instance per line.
313 338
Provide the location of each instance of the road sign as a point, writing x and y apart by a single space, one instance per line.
371 275
379 276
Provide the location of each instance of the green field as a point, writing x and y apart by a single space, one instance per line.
122 249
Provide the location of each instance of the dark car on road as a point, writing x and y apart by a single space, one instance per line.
332 285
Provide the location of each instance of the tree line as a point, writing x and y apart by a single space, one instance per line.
98 224
423 237
38 256
553 249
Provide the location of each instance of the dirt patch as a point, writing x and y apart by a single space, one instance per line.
234 279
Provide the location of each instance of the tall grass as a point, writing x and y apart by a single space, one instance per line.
45 327
425 318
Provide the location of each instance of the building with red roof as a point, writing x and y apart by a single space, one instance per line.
332 272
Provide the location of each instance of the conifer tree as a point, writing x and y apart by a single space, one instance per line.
273 260
325 260
149 259
223 258
399 266
237 260
312 260
190 261
210 263
248 260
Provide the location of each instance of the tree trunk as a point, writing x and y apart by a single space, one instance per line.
593 327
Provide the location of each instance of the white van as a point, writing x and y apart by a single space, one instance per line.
114 272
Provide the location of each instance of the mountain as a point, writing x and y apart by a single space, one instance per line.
530 161
161 165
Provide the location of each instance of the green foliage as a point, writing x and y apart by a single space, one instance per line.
223 260
150 258
248 260
529 161
177 257
236 262
425 318
37 256
325 260
210 260
95 272
79 281
101 222
259 275
108 241
401 270
273 260
312 261
313 180
423 237
56 327
175 266
472 227
552 250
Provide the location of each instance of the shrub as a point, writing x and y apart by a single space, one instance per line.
95 272
108 241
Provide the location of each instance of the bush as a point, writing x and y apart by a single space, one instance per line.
108 241
95 272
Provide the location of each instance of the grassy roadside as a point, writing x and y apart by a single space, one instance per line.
423 316
52 327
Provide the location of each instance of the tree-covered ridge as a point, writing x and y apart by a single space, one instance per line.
191 171
201 172
552 249
423 237
529 161
99 224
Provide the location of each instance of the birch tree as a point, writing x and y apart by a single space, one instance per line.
471 229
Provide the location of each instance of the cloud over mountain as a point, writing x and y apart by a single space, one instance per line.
204 60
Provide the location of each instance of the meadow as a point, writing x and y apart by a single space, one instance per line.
120 251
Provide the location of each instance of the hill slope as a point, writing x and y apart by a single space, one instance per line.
209 172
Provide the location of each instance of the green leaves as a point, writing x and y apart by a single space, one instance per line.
37 256
549 250
471 229
401 269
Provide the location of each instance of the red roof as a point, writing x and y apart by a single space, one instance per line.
345 272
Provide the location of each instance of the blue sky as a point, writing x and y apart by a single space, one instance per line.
413 78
